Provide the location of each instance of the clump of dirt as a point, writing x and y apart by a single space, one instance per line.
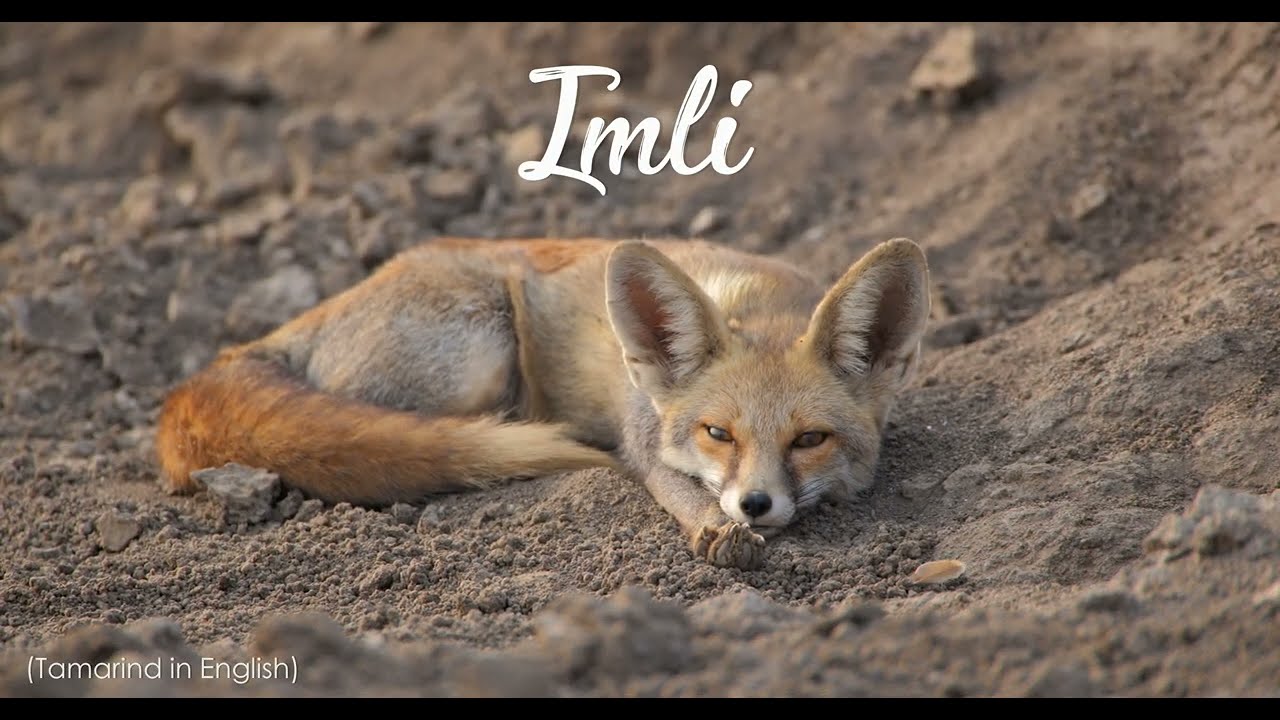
1102 218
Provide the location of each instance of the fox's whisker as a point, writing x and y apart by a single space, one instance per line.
812 491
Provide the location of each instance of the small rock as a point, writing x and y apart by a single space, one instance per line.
112 617
404 513
953 72
116 530
246 494
290 505
58 320
309 509
1074 342
708 220
491 602
272 301
1088 200
45 553
429 520
379 578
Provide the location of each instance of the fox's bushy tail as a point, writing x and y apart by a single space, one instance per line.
252 412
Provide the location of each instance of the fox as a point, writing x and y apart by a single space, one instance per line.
734 386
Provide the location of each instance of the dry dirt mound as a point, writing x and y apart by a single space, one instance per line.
1095 430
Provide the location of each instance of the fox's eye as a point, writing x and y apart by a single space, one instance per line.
719 434
810 439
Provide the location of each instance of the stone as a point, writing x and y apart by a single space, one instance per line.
953 72
246 494
309 509
58 320
116 530
290 504
405 513
1088 200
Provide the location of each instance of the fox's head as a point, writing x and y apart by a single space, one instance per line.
771 410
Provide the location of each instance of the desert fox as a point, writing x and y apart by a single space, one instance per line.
736 387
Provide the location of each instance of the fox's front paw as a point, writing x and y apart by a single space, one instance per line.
730 545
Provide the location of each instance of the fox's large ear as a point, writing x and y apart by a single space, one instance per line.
667 326
871 321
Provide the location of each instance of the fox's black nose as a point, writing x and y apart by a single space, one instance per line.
756 503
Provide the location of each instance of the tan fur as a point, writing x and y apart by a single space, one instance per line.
463 362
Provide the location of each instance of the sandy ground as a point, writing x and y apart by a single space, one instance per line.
1095 430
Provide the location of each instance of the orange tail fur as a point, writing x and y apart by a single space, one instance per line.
251 412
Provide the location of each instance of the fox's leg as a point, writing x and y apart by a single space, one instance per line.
712 535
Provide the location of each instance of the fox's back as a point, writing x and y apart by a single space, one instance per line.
569 275
471 314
